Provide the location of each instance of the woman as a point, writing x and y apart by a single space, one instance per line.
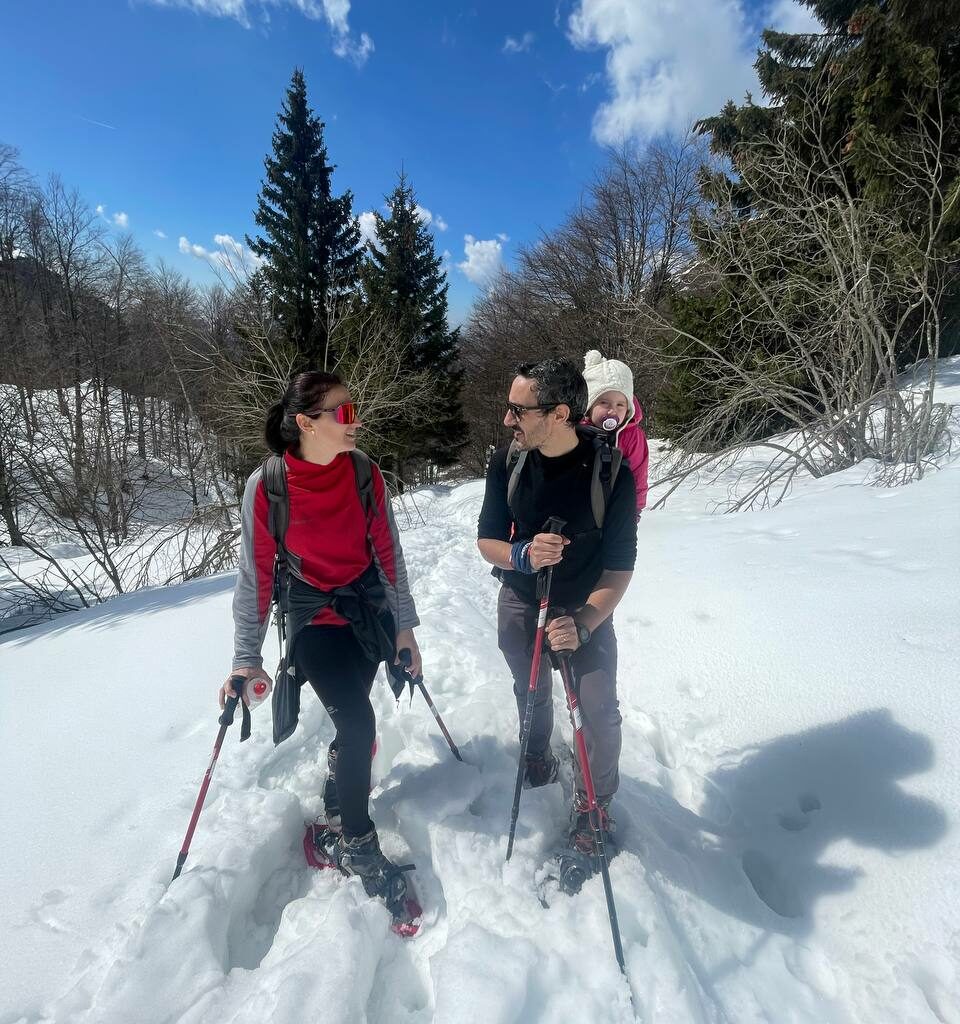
346 582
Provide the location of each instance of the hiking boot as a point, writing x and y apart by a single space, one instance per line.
361 856
579 860
581 829
540 769
331 802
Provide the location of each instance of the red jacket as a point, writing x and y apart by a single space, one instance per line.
328 530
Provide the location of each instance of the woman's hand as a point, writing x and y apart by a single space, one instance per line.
405 638
248 674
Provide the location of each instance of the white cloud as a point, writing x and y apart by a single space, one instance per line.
159 233
357 51
429 218
121 220
521 45
101 210
789 16
334 12
368 227
99 124
503 237
667 64
232 257
188 249
484 260
368 223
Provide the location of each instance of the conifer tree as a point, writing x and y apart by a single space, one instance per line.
310 239
404 281
873 64
865 78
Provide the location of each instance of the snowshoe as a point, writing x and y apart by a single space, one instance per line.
578 860
325 846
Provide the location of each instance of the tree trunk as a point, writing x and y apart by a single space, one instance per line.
142 427
28 419
175 432
34 426
7 508
78 427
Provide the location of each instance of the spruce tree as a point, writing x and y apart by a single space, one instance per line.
403 281
882 60
310 239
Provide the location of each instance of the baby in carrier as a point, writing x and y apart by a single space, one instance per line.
610 398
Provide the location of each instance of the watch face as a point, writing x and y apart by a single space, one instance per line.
584 634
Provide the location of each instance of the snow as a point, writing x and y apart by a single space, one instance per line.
790 775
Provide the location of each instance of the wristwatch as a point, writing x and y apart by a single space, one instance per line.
583 634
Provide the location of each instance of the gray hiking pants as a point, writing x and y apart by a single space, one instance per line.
595 674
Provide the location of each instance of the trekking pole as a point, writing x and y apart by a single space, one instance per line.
544 579
573 705
405 659
225 720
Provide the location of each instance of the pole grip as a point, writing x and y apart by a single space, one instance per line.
230 707
553 525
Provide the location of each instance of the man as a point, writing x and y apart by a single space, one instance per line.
592 569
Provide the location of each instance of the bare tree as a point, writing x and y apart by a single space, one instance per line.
827 289
629 236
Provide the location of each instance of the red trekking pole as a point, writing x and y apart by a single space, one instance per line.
573 705
544 579
225 720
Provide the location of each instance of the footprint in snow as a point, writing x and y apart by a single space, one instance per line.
659 739
771 884
791 821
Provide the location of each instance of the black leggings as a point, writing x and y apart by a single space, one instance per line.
331 658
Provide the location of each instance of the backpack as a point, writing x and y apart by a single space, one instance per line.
278 515
607 460
286 690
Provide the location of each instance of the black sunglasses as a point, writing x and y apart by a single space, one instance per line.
519 410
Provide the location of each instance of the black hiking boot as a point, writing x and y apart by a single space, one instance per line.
579 860
361 856
540 769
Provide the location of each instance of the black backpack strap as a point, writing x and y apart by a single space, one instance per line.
275 484
516 458
363 470
278 519
286 691
607 460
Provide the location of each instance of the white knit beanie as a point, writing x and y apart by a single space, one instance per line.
607 375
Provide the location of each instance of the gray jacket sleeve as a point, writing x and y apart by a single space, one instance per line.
249 626
407 616
399 596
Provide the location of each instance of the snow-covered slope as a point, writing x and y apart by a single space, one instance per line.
791 774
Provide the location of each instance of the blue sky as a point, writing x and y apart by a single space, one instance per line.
160 111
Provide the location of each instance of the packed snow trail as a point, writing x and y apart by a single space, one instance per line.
791 764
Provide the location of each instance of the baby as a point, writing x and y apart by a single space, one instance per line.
610 396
